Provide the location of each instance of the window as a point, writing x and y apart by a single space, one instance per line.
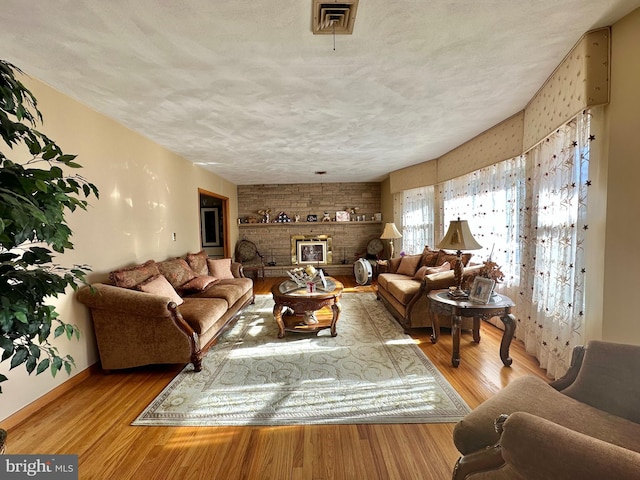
490 199
417 219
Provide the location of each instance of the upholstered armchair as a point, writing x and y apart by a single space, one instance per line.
248 255
585 425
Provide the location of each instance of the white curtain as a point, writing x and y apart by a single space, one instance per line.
491 199
417 219
550 307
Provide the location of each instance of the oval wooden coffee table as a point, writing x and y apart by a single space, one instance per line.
295 308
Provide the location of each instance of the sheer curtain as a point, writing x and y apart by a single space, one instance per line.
491 199
550 306
417 219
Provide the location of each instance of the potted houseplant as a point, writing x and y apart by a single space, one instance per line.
35 196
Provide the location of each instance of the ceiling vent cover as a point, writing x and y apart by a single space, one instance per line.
334 18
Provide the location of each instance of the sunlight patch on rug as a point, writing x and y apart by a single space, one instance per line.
370 373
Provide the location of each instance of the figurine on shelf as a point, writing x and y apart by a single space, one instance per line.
266 212
282 218
326 217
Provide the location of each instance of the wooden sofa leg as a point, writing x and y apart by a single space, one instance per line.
196 359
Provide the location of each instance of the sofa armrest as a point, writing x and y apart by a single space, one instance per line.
236 270
538 448
393 264
608 379
577 356
110 297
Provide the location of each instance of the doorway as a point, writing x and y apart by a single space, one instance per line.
214 228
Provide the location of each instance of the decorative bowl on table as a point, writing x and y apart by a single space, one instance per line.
303 276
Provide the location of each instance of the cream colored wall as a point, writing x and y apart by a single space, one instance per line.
146 194
622 261
386 200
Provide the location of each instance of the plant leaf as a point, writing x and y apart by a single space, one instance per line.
42 366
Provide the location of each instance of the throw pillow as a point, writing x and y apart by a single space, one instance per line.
159 285
131 276
199 284
177 271
220 267
422 271
409 265
452 258
198 262
429 257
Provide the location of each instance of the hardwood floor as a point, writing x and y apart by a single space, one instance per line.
93 420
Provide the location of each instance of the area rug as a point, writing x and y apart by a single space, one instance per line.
371 372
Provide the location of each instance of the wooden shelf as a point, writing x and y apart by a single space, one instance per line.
308 224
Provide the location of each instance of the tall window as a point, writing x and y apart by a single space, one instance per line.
530 215
490 199
551 302
417 219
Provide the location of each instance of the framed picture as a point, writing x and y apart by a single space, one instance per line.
342 216
312 252
210 227
481 290
312 218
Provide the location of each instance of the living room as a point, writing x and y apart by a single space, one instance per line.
149 193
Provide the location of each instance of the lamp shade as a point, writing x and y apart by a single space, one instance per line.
390 232
459 237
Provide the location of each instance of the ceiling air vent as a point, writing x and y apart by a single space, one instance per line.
334 18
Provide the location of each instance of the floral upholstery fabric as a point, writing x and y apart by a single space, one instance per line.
131 276
429 258
198 262
177 271
422 271
220 267
200 283
452 258
158 285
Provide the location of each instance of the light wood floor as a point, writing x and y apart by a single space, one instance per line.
93 420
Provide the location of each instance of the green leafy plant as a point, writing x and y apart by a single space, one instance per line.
35 195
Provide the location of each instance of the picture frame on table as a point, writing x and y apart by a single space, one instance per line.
481 290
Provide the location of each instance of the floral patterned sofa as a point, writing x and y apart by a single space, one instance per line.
165 312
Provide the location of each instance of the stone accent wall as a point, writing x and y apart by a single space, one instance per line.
274 239
348 238
309 198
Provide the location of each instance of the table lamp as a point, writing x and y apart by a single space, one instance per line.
390 233
459 238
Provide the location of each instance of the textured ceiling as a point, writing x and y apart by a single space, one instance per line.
243 88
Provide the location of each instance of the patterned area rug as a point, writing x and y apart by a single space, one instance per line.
370 373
